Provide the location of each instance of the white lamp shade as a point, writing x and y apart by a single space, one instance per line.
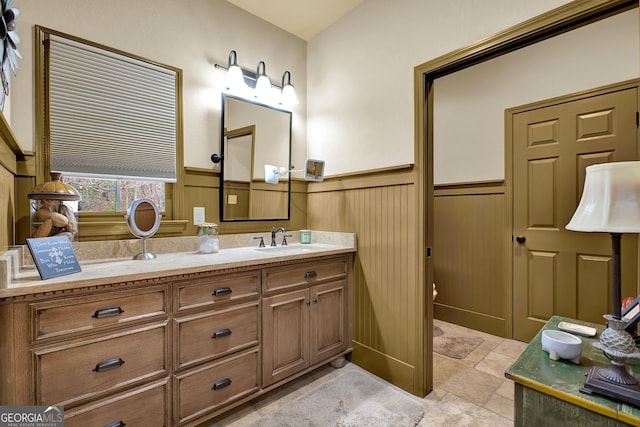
289 97
263 87
234 79
610 200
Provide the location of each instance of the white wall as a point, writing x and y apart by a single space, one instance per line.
360 72
192 35
469 105
355 79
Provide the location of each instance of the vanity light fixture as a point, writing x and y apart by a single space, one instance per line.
288 96
249 84
234 78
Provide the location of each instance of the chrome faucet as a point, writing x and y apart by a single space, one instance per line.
273 236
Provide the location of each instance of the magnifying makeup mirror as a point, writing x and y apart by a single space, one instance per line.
313 171
271 174
143 220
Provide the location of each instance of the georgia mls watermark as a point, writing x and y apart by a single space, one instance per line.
31 416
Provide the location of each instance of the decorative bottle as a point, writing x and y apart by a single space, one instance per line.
208 240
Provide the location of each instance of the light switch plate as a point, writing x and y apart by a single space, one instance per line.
198 216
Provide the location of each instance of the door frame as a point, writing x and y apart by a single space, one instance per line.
557 21
508 153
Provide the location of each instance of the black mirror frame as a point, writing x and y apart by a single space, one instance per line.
220 161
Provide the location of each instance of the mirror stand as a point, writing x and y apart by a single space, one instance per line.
144 254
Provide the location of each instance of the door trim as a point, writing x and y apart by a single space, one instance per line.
557 21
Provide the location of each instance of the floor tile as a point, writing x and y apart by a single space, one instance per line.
500 405
466 392
495 364
472 385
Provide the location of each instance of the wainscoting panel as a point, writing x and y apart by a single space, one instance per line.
201 188
384 318
7 209
469 257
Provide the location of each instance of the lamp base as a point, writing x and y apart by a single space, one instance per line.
596 384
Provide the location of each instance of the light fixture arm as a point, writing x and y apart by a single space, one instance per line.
286 74
232 59
264 69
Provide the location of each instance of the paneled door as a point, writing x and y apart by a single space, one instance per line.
557 271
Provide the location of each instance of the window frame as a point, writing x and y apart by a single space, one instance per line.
174 199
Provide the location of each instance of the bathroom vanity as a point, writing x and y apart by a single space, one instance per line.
176 340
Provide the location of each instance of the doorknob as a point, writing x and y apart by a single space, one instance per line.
521 239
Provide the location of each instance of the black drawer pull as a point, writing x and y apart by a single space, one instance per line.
310 274
221 291
116 424
107 365
107 312
221 384
221 333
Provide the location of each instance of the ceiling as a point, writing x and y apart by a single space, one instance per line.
303 18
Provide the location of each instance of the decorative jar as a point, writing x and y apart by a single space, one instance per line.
54 209
208 240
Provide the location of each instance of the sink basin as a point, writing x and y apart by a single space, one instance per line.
291 249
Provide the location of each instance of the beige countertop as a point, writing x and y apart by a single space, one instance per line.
21 277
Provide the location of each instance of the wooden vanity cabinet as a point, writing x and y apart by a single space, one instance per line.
97 351
177 350
308 325
216 343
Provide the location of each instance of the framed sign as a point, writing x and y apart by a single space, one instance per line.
631 313
53 256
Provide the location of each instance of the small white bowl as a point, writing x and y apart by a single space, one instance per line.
562 345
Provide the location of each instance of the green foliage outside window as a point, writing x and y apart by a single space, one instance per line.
114 195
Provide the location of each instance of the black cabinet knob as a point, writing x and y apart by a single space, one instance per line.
521 239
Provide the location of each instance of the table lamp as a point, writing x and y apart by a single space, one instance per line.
611 203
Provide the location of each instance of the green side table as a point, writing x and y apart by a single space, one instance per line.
547 392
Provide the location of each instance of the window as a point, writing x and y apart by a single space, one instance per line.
110 123
114 195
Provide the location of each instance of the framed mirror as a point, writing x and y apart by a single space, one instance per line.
253 135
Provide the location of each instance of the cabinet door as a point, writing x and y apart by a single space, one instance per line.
329 320
285 335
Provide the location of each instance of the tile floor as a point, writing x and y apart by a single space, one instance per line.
466 392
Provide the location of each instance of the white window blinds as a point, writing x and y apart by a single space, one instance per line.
110 115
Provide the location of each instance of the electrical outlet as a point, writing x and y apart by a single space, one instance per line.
232 199
198 216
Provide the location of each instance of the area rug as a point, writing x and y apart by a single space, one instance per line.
352 398
454 346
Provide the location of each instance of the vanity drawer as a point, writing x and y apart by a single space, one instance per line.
289 276
144 406
85 369
95 312
216 290
213 334
204 389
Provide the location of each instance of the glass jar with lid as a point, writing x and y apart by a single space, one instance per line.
208 240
